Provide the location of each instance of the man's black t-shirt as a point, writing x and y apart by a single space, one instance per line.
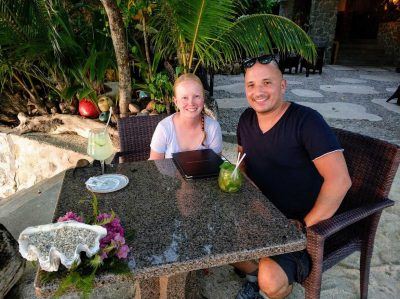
279 161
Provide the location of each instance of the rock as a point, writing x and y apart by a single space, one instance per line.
104 116
134 108
11 263
73 107
114 89
104 103
63 107
154 112
144 112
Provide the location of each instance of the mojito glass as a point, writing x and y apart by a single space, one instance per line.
228 182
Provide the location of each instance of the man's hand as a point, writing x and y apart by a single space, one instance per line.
332 167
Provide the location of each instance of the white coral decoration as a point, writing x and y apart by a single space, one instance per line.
62 241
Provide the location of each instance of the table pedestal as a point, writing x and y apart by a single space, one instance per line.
178 286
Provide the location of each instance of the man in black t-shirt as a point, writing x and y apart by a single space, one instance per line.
296 161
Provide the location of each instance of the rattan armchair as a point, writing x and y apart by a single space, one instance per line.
318 63
372 165
135 136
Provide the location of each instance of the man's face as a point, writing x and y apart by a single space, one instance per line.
265 87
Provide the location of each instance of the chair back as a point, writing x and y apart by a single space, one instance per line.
135 135
372 165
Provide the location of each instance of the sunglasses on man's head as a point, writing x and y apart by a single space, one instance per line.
263 59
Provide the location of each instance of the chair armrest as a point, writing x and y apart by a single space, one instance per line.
328 227
118 155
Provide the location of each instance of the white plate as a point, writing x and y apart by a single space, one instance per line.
106 183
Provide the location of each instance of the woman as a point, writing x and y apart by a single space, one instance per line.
188 129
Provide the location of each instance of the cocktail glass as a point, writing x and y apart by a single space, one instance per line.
229 181
99 146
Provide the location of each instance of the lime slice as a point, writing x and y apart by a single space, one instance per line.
100 141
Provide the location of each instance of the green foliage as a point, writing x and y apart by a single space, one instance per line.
214 33
82 283
64 45
81 278
156 83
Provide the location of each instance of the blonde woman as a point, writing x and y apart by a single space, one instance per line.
189 128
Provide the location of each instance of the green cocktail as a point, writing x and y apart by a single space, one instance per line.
228 181
99 146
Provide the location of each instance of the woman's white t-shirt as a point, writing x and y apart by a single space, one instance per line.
165 141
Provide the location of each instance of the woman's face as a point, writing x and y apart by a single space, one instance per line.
189 98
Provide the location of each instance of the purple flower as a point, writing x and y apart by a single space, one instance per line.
123 252
115 235
119 239
70 216
103 255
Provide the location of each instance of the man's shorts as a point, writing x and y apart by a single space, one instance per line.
297 265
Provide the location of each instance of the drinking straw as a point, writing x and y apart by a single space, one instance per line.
108 121
238 157
234 173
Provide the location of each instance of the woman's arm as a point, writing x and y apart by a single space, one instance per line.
156 156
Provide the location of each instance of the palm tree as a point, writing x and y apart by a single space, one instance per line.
212 33
121 53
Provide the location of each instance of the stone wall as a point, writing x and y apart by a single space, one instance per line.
323 24
389 39
25 162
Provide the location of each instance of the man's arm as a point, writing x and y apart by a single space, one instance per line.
332 167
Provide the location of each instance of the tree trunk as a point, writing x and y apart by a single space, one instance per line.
146 46
121 52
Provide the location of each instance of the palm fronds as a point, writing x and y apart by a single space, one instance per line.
212 32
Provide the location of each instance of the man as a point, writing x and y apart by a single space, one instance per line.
295 159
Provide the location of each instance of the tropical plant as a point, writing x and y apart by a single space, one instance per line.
53 48
212 33
156 83
28 40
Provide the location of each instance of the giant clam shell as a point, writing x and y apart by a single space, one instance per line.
60 242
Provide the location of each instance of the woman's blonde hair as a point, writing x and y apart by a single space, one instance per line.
193 77
188 77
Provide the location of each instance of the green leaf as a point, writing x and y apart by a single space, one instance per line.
96 261
215 34
86 92
69 92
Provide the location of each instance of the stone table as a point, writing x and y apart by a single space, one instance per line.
181 225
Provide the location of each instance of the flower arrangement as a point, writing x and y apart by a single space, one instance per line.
113 244
111 256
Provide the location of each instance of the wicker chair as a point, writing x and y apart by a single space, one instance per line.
372 165
318 64
135 136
